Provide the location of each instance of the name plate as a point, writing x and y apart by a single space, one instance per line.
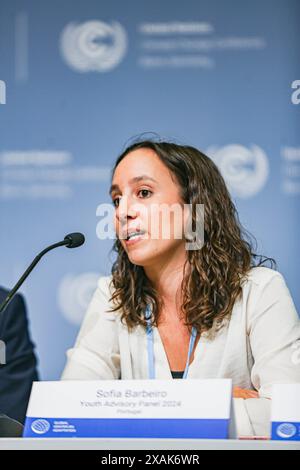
130 409
285 414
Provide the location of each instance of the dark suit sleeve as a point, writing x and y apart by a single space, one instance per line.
19 371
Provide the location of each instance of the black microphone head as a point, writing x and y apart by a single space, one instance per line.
75 239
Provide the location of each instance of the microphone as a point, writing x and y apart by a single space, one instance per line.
73 240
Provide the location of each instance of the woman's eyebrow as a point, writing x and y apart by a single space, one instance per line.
135 179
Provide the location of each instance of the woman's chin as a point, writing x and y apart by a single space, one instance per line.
140 256
139 259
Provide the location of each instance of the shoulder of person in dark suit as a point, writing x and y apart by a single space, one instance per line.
20 367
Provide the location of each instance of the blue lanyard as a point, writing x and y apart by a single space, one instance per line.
150 346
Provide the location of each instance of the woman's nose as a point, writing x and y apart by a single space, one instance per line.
126 209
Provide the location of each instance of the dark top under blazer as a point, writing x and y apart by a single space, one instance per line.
17 375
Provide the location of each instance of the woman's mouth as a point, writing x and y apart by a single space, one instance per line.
135 237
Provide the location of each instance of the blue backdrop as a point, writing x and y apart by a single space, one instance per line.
82 77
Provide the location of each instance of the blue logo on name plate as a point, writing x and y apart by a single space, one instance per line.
286 431
134 428
40 426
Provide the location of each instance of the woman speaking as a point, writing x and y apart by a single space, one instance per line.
176 309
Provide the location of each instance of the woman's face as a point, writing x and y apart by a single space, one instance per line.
143 191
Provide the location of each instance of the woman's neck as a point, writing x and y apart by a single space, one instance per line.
167 282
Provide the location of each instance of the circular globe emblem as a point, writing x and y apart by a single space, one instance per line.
286 430
245 170
93 46
40 426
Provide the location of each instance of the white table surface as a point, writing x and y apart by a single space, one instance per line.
144 444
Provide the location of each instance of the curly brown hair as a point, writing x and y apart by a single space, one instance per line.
212 275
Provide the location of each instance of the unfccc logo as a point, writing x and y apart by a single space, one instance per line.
40 426
93 46
245 170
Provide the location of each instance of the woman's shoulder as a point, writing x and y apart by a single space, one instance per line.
266 291
262 276
99 307
104 285
263 286
104 293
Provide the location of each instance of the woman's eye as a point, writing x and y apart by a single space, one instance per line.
145 191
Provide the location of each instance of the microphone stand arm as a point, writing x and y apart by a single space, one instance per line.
28 271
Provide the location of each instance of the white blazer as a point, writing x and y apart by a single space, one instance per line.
260 346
